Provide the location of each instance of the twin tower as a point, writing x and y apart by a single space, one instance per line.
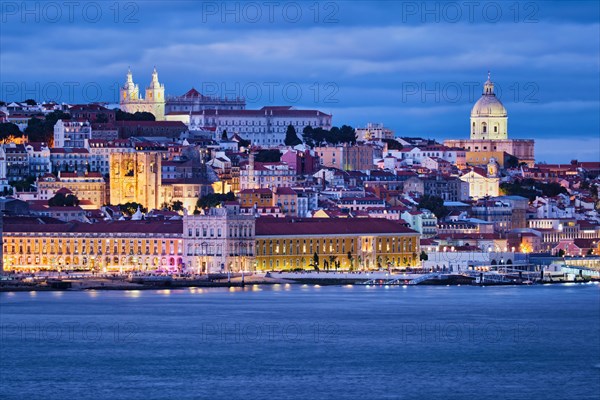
131 102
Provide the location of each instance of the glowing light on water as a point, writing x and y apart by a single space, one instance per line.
133 293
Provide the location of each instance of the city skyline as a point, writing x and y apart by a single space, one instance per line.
423 87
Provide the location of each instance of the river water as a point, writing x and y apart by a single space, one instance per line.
303 342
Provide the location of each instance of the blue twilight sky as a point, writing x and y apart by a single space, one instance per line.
415 66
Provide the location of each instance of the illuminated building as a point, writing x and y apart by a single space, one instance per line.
290 243
71 133
31 244
221 240
86 186
482 184
489 129
131 102
136 177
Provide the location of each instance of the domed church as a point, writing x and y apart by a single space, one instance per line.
489 131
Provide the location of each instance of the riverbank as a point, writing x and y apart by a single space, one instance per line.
153 282
148 282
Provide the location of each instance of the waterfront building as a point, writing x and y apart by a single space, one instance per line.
131 101
219 240
32 244
489 129
363 243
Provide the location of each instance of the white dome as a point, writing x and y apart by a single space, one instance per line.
488 105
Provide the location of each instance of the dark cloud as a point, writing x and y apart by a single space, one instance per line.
414 66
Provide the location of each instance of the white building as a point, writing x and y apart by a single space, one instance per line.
415 155
39 159
374 132
482 184
222 240
71 133
265 127
130 100
257 175
100 151
422 221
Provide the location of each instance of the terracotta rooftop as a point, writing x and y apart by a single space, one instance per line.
328 226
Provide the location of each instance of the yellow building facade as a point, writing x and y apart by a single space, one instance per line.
102 247
136 177
351 244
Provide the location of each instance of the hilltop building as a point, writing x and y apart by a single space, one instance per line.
489 129
131 101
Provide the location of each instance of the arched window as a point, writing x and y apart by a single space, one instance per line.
483 127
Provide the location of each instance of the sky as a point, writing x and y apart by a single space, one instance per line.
417 67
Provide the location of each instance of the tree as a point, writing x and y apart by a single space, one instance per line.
244 143
137 116
350 260
291 137
131 208
511 162
62 200
224 136
30 102
423 256
315 261
9 131
176 205
561 253
214 200
531 189
392 144
42 130
307 136
268 156
24 185
101 118
434 204
315 136
332 261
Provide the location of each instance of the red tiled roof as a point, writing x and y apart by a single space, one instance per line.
285 191
278 111
256 191
150 123
171 226
328 226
